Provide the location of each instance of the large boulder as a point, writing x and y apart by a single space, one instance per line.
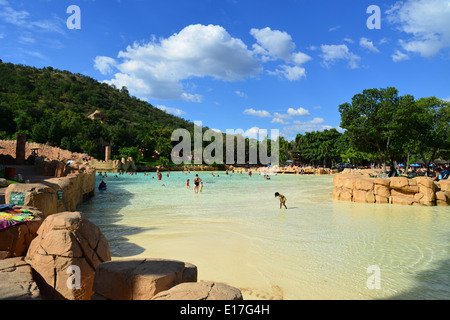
442 198
15 240
140 279
204 290
16 280
36 195
399 182
68 248
382 190
363 196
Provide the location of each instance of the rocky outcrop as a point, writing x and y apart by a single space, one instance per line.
16 280
66 242
15 240
139 279
360 187
204 290
57 194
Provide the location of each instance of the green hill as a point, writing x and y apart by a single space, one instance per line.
52 106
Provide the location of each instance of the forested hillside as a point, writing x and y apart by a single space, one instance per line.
52 106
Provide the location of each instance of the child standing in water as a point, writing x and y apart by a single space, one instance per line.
187 184
282 200
201 186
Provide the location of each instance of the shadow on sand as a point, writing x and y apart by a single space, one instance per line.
431 284
104 210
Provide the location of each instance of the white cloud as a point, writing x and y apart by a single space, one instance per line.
399 56
240 94
104 64
290 73
252 132
156 69
22 20
317 124
282 116
191 97
279 121
10 15
349 40
276 45
301 112
426 21
334 28
366 43
173 111
332 53
257 113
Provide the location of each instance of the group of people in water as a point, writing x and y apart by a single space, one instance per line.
198 183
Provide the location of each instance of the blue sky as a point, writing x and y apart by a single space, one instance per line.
246 64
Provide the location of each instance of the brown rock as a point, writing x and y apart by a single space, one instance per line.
190 273
16 280
401 200
442 198
37 195
401 193
346 194
203 290
139 279
399 182
362 196
425 182
429 195
381 190
382 182
64 241
336 193
364 184
381 199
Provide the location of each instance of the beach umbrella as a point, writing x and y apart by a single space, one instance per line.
415 165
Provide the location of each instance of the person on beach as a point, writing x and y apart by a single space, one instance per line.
201 187
187 185
197 181
282 200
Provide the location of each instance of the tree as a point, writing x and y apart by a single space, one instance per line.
379 121
430 135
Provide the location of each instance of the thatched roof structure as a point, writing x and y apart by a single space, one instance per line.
98 115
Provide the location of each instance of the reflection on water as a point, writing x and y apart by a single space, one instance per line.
317 249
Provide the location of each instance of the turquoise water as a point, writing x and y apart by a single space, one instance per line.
235 232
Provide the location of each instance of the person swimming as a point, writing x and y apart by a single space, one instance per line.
102 186
282 200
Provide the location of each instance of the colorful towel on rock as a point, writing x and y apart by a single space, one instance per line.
13 217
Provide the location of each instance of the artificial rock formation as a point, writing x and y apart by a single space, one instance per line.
58 194
16 280
204 290
67 240
360 187
140 279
